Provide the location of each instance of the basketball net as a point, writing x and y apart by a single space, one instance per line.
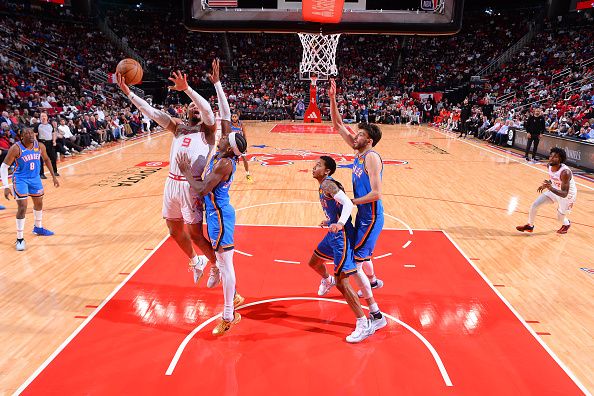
319 54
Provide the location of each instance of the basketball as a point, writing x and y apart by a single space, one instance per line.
130 70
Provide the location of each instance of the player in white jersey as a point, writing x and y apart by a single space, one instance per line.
182 207
560 189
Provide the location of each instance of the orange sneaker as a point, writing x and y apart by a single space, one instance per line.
525 228
563 229
224 326
238 300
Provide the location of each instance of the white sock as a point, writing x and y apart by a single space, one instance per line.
373 307
37 215
199 261
541 200
247 173
225 264
566 221
20 225
563 218
368 269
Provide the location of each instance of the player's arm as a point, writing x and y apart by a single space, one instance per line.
220 172
337 117
180 82
11 156
565 179
159 116
50 168
373 165
330 188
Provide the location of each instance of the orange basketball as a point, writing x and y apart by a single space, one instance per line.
130 70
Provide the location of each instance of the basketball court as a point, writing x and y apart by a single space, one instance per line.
91 319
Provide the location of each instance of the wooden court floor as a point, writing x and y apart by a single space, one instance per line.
107 217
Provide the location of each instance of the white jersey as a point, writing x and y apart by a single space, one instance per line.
556 181
180 201
193 144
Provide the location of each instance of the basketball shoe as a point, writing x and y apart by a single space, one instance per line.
362 331
196 270
20 245
224 325
42 231
249 178
326 284
525 228
377 323
563 229
214 278
238 300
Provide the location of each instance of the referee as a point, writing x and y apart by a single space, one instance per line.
535 126
47 135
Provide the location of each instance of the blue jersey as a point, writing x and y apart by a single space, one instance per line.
219 196
237 128
362 187
28 162
332 208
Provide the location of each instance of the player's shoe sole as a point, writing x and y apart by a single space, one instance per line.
224 326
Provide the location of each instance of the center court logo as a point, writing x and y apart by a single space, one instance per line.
290 156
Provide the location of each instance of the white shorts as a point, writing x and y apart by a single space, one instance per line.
180 202
564 204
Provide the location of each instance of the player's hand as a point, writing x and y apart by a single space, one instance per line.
546 185
56 182
180 81
214 77
183 162
7 193
332 89
324 223
122 84
336 227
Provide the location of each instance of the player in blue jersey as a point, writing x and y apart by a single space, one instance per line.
338 246
367 187
220 216
237 126
26 182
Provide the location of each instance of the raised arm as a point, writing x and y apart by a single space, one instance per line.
373 165
337 117
180 82
220 172
160 117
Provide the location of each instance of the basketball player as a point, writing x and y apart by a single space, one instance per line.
220 217
237 126
26 181
337 246
181 204
367 186
561 189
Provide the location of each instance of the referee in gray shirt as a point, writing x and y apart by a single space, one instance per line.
47 136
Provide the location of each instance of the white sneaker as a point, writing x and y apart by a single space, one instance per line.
214 277
20 246
326 284
361 333
378 323
196 271
379 285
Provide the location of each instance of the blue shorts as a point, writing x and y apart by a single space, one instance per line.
338 247
368 231
220 224
24 187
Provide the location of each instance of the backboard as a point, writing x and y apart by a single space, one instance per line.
422 17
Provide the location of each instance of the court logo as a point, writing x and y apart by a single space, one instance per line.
133 175
588 270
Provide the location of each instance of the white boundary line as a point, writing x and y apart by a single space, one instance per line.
382 256
87 320
436 357
503 156
288 262
244 253
511 308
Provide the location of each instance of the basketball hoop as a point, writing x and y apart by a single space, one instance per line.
319 54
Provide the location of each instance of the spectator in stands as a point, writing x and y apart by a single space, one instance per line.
5 141
535 126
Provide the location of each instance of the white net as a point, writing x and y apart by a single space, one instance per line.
319 54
